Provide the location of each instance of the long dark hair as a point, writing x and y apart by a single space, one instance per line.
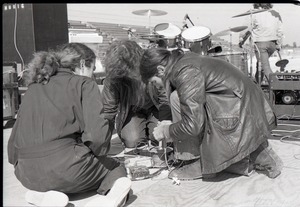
154 57
122 62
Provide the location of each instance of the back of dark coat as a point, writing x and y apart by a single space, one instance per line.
223 107
58 135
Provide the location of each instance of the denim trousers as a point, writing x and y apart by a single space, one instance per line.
263 51
264 158
138 127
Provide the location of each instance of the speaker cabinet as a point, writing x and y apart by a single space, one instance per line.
27 28
285 94
10 90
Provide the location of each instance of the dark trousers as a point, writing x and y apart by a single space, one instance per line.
263 51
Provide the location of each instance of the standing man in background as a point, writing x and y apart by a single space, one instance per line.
267 36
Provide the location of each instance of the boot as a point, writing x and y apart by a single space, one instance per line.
266 160
187 170
243 167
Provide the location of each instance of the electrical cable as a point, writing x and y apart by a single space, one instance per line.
294 108
289 125
296 156
291 131
283 140
15 37
288 117
166 159
287 142
278 135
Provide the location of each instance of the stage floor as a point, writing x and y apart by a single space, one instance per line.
226 190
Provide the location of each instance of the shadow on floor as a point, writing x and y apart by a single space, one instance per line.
80 196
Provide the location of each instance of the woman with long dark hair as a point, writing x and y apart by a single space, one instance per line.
132 106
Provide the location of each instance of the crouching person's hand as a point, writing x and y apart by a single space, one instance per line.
162 131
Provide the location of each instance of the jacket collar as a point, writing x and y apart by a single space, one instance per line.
64 70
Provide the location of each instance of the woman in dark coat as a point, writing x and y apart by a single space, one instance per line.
60 139
133 107
221 119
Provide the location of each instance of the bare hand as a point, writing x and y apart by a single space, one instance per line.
158 132
162 131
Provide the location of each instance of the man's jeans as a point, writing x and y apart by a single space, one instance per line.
262 159
138 128
263 51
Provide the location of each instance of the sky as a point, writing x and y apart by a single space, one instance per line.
216 16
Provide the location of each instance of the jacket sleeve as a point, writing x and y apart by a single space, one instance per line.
190 85
97 130
110 96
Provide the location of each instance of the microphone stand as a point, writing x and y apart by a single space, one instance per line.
230 42
259 68
251 45
190 20
185 26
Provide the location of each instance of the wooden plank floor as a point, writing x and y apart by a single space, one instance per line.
226 190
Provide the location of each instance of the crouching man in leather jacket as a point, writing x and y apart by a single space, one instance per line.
221 118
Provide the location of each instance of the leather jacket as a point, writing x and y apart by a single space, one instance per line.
226 114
